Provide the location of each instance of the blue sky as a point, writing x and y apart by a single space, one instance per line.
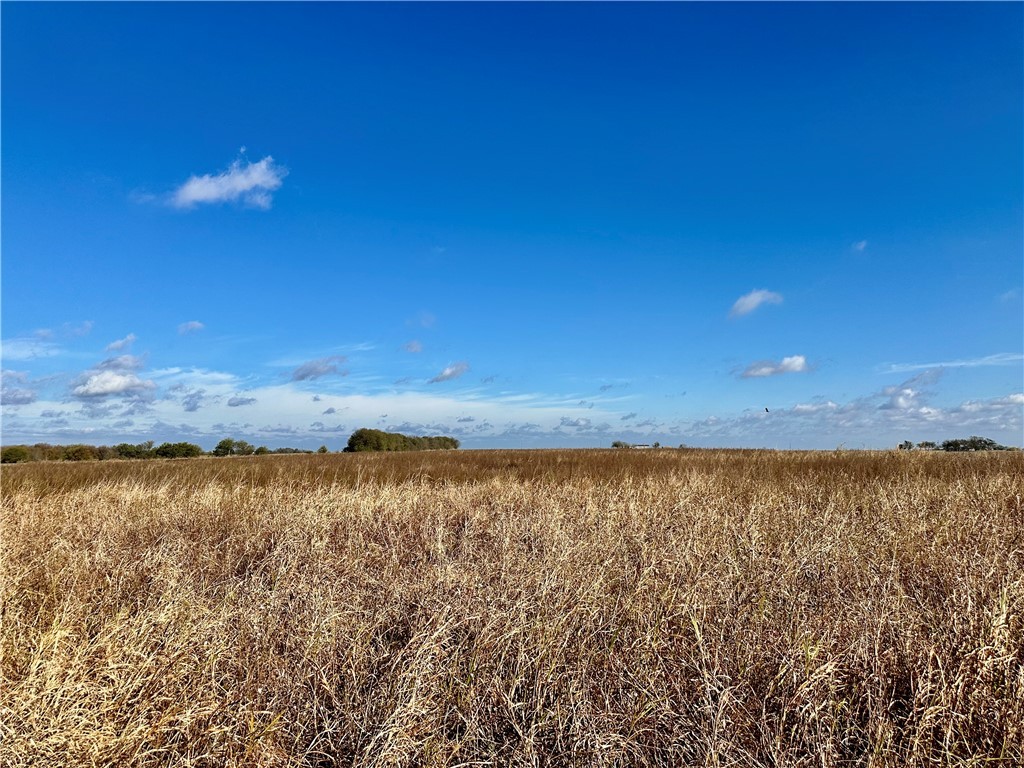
521 224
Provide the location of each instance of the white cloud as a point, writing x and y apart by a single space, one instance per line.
793 364
109 382
453 371
1002 358
121 343
413 346
190 327
250 183
748 303
859 246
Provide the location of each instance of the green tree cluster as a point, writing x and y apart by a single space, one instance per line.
178 451
15 454
973 443
378 440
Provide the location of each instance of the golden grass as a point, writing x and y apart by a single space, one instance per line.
515 608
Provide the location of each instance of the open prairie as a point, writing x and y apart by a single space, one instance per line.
568 608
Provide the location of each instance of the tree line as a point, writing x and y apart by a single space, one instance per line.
14 454
361 440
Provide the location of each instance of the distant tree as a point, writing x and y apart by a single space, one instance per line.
620 444
129 451
178 450
225 447
229 447
261 451
79 453
14 454
104 452
657 445
906 445
322 449
927 445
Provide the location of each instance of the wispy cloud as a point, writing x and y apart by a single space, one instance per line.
193 400
121 363
82 329
28 348
250 183
859 246
424 320
748 303
236 401
314 369
12 389
1002 358
565 421
1011 295
192 326
413 346
628 416
793 364
453 371
124 343
319 426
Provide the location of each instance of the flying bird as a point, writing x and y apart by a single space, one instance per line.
766 410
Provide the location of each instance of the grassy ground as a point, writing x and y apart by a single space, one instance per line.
515 608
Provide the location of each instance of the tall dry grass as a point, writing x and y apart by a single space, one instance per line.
515 608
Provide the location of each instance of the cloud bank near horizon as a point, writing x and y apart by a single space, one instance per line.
118 399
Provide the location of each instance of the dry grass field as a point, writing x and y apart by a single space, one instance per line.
549 608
